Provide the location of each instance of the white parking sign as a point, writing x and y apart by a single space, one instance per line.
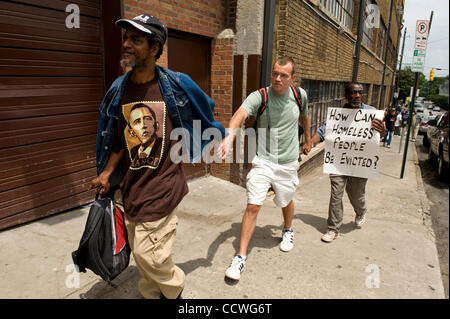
420 45
421 35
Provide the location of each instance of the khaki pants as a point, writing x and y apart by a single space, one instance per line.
356 191
151 244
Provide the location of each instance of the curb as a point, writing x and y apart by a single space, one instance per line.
426 211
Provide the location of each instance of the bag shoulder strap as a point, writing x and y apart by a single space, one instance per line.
264 99
297 95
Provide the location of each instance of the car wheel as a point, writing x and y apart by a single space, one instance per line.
431 157
425 141
442 171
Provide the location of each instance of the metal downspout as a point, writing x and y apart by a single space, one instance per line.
362 5
269 21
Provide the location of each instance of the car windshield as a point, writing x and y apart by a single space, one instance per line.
426 118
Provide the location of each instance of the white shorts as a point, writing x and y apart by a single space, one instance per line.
282 177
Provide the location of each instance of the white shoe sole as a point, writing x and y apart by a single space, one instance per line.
329 240
232 277
286 250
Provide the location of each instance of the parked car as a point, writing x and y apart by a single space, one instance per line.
423 126
418 107
436 108
432 125
439 147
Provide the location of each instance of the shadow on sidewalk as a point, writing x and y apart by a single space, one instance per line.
320 223
263 237
127 282
127 287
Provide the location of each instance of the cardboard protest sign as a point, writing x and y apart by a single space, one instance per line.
351 145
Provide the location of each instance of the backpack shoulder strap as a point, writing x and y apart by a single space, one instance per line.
264 99
297 95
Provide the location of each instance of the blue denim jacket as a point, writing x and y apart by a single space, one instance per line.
185 101
321 130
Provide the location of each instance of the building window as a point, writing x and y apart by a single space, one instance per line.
321 96
365 95
367 29
381 41
391 53
375 95
342 10
312 88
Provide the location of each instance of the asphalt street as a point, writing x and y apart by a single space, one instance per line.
438 195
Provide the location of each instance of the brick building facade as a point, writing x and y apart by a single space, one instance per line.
321 36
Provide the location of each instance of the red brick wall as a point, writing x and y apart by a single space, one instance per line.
221 92
203 17
222 78
200 16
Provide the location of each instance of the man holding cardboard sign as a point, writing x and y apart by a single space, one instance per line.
349 147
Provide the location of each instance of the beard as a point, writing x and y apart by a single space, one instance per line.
127 64
356 105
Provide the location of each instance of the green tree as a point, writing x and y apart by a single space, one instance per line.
430 90
439 100
432 87
406 81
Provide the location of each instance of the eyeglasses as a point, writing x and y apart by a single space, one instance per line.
356 92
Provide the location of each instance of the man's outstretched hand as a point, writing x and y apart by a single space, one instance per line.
225 147
306 147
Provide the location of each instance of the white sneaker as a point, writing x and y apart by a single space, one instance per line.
360 220
287 243
329 236
236 267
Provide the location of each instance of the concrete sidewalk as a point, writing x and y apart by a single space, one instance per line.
395 247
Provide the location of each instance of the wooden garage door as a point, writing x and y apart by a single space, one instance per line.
51 85
191 54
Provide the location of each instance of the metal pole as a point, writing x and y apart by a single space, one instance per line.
362 5
269 19
431 19
400 67
411 107
401 140
385 56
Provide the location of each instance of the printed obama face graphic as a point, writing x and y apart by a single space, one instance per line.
143 123
144 132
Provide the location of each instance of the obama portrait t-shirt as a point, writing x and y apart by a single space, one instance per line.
152 185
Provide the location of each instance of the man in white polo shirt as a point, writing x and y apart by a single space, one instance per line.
276 163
